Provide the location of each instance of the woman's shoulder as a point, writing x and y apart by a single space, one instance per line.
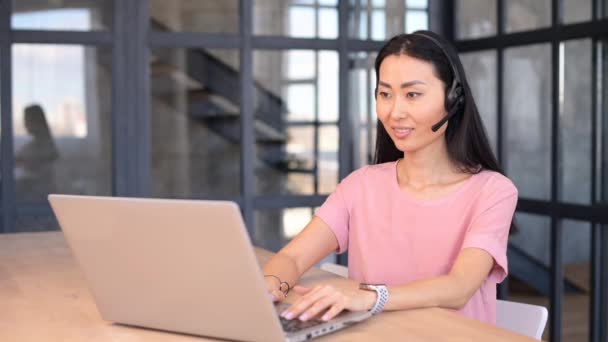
492 182
375 171
370 174
383 168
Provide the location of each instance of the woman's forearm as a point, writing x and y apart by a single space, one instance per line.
443 291
284 267
450 291
314 243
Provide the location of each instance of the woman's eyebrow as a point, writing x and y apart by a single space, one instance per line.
403 85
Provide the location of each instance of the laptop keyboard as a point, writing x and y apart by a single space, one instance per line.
297 325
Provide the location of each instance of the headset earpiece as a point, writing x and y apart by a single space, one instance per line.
455 97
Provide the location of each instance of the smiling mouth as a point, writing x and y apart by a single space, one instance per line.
402 132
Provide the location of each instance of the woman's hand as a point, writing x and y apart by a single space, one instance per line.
329 300
274 289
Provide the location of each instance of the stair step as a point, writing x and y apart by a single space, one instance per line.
579 274
534 273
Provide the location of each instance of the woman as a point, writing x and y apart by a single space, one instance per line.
35 160
430 220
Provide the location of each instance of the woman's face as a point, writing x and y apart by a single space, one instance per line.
410 100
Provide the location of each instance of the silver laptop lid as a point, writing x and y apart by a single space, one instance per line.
177 265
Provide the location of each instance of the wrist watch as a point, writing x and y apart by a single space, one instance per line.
381 298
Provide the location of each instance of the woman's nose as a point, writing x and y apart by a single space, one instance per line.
399 111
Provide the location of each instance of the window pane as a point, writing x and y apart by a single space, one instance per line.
362 79
299 104
416 20
480 69
577 11
529 262
327 90
416 3
576 259
300 153
292 154
532 238
195 123
527 110
328 19
301 22
576 247
274 228
83 15
328 159
575 122
378 25
475 18
523 15
209 16
381 20
300 64
298 19
300 159
302 2
358 24
61 120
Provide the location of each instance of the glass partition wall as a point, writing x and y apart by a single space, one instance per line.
256 102
538 72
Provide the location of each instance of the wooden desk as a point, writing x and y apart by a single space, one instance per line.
43 297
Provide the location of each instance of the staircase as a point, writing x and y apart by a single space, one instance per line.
537 275
214 100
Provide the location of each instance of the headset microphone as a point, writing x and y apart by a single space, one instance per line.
451 113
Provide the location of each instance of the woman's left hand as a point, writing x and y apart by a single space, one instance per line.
328 299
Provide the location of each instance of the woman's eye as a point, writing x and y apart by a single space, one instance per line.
384 95
412 95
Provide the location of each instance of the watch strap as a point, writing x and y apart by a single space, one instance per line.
381 296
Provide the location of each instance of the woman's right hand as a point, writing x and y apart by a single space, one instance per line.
274 289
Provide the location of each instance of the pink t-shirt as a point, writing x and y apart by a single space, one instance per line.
393 238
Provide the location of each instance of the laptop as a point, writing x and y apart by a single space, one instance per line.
184 266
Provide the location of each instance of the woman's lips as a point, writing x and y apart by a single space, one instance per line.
402 132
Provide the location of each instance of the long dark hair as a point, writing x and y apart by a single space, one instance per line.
466 138
36 124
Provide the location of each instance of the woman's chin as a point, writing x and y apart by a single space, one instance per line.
405 148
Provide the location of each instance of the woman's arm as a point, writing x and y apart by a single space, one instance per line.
453 291
312 244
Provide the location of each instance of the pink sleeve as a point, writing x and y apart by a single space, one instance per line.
489 230
335 212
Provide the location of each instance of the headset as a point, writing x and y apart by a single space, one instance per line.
455 96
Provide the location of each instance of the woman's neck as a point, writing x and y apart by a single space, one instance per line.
426 167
